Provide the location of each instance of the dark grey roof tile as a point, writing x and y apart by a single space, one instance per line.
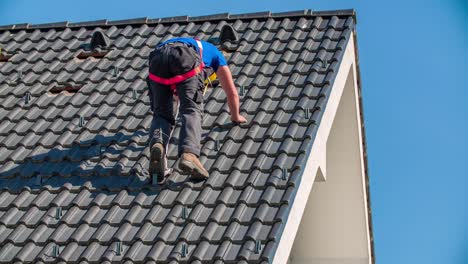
71 252
222 213
32 216
83 232
158 252
157 214
137 252
93 252
227 251
61 234
23 200
28 252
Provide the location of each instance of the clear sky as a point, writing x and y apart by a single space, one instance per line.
414 73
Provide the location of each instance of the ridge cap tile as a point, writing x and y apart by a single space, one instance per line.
22 26
339 12
304 12
99 22
220 16
263 14
61 24
174 19
131 21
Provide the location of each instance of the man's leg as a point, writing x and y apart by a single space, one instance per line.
164 114
191 110
161 128
190 92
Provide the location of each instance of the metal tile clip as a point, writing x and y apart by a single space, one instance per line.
284 174
184 213
55 250
19 76
242 90
115 71
118 248
58 212
27 97
258 246
81 123
325 63
307 113
184 252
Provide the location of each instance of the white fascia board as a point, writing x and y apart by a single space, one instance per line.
316 163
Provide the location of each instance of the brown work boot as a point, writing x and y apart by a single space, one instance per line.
157 161
189 163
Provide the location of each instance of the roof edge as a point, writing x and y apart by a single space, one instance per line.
182 19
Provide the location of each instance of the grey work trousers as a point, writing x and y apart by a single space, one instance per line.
166 62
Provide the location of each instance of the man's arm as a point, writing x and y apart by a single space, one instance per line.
225 78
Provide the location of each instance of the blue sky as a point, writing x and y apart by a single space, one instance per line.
414 73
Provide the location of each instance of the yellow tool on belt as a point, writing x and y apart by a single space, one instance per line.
211 81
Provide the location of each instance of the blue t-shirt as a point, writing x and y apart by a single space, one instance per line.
211 55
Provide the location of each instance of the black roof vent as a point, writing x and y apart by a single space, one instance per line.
228 38
97 48
99 40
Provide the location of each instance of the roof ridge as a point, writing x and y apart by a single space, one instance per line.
146 20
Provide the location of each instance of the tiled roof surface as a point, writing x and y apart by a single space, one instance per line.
73 178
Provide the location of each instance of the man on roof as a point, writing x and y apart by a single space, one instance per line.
178 68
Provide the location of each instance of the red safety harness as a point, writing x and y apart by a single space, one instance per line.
173 81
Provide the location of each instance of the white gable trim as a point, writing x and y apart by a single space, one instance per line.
316 165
